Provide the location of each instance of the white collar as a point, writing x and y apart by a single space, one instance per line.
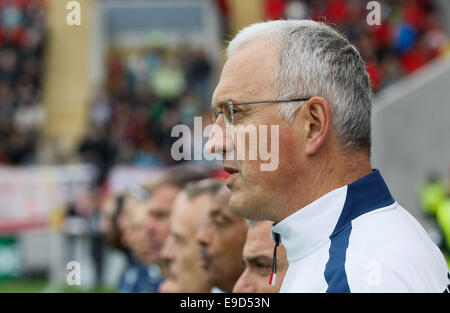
312 226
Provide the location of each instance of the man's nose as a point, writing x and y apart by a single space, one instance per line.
244 285
220 140
151 226
203 236
167 250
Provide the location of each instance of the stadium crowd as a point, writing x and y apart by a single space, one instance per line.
22 43
409 36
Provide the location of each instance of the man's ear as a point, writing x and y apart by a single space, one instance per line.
316 113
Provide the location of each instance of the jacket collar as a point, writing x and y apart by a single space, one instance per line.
313 225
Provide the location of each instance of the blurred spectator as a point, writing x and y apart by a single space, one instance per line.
111 209
181 249
435 203
198 73
443 221
95 149
432 194
258 255
147 92
221 238
137 277
97 242
159 207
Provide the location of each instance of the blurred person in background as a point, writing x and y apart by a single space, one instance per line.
110 210
181 248
147 91
432 194
96 239
257 257
134 277
76 225
141 274
138 234
443 221
221 238
432 203
159 205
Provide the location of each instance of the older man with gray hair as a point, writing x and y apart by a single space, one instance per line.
334 214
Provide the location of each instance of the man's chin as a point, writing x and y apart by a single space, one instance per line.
241 205
238 206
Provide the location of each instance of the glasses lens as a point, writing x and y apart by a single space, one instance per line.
228 113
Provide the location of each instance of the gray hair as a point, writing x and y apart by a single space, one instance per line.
315 60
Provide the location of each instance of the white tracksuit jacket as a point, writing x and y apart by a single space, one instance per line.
358 239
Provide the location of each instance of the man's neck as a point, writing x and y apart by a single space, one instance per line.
327 176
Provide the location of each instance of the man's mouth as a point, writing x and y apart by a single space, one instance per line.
230 170
205 259
154 246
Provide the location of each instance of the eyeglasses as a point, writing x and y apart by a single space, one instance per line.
228 108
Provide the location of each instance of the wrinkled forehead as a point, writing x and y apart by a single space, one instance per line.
249 73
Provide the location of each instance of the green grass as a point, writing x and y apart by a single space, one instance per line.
68 289
22 285
40 285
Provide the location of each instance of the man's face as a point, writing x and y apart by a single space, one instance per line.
158 223
125 220
184 255
248 75
258 254
221 237
107 212
138 234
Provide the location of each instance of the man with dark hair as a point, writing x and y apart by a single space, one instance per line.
221 237
257 257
